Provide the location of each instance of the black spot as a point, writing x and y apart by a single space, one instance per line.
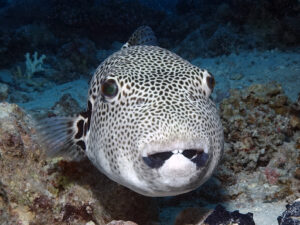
80 129
210 82
81 144
85 129
89 113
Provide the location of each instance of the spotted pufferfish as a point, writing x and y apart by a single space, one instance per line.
150 123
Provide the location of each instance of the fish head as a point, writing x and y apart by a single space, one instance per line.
154 127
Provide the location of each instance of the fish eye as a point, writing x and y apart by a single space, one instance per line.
210 80
109 88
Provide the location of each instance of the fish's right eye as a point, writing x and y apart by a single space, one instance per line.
210 82
109 88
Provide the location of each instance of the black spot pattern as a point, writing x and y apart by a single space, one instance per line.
83 126
161 97
79 133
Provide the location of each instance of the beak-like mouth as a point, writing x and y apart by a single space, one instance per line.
197 156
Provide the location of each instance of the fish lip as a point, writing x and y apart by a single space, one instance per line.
152 148
157 160
177 151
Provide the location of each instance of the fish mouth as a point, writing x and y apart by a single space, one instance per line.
195 155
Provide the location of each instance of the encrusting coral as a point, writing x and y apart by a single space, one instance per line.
33 64
261 143
37 190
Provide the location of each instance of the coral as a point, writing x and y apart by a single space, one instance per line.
37 190
271 175
34 64
260 142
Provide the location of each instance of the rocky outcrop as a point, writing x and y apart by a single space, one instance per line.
37 190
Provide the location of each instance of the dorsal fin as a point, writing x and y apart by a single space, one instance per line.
143 35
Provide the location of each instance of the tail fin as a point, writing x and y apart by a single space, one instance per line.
58 136
143 35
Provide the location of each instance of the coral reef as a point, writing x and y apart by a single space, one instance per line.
35 190
34 64
260 144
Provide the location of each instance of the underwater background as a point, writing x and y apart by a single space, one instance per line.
49 50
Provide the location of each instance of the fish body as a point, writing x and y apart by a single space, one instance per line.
150 123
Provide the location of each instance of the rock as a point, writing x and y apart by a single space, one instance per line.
297 173
192 216
221 216
90 223
3 92
121 222
260 144
66 106
38 190
291 216
295 122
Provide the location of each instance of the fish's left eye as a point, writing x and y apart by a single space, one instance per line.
109 88
208 83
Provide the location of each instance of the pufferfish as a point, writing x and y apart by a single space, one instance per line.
150 123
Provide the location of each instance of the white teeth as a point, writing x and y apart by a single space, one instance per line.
177 151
